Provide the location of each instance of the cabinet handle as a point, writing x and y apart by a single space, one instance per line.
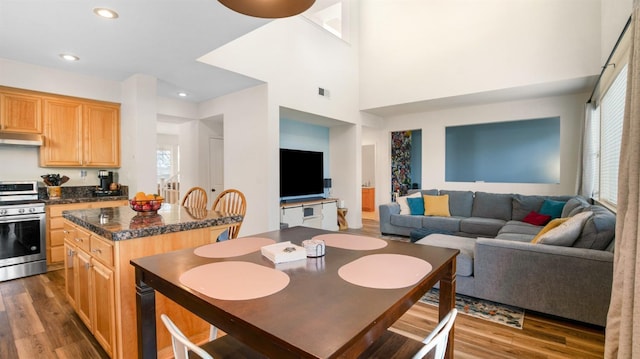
97 250
79 239
87 266
71 252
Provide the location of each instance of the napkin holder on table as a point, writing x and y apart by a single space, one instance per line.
283 252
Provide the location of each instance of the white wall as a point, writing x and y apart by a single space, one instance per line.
615 14
295 57
569 108
248 149
138 123
416 50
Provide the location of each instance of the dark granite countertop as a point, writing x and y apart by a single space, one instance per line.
80 194
121 223
83 200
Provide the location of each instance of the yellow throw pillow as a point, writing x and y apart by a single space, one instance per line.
551 225
436 205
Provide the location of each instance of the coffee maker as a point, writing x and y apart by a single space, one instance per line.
106 179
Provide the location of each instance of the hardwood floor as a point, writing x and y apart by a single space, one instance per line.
540 337
36 321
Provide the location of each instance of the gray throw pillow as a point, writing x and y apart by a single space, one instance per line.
566 233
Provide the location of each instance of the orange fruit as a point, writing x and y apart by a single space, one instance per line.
140 196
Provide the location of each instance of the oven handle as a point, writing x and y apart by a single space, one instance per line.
14 219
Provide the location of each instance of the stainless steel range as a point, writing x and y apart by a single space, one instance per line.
22 230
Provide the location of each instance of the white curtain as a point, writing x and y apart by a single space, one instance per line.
623 332
587 168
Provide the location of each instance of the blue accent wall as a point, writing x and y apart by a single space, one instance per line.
297 135
526 151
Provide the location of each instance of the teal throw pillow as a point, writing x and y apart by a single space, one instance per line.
416 205
552 208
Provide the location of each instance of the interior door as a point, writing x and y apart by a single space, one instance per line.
216 168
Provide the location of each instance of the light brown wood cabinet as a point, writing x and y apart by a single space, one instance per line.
56 231
368 199
80 133
90 284
99 284
20 111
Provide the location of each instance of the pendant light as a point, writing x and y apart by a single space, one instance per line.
268 8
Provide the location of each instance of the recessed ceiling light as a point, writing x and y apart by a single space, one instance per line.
69 57
182 94
106 13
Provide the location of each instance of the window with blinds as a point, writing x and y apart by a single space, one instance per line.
611 118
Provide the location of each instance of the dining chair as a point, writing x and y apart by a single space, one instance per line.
225 347
196 197
439 337
392 345
231 201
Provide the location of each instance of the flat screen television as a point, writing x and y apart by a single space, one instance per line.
301 174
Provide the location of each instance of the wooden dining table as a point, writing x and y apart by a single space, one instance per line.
318 314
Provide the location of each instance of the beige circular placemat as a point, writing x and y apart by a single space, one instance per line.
235 280
350 241
233 247
385 271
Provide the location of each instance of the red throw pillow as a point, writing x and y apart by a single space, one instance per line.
536 218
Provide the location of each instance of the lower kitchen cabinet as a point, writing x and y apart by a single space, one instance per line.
100 285
55 227
103 304
90 284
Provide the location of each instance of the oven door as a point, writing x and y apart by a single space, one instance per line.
22 239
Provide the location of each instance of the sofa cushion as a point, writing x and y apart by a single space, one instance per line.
517 237
419 233
429 192
416 206
551 225
573 203
566 233
436 205
403 220
460 202
450 224
492 205
536 218
552 208
518 227
523 205
487 227
404 206
599 230
464 260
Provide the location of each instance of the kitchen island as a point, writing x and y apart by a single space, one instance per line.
100 282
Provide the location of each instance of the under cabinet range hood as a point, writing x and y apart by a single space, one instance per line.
24 139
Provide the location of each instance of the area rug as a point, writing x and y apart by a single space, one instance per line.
483 309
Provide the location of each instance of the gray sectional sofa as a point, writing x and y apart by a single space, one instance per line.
498 261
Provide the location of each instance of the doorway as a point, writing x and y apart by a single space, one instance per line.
216 168
368 181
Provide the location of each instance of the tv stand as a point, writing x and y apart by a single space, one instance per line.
302 200
316 213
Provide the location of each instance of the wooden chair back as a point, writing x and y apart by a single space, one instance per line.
196 197
231 201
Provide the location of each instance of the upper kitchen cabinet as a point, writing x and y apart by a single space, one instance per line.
80 133
20 111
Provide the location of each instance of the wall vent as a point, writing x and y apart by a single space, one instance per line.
323 92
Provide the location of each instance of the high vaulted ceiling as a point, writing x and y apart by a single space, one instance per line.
161 38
